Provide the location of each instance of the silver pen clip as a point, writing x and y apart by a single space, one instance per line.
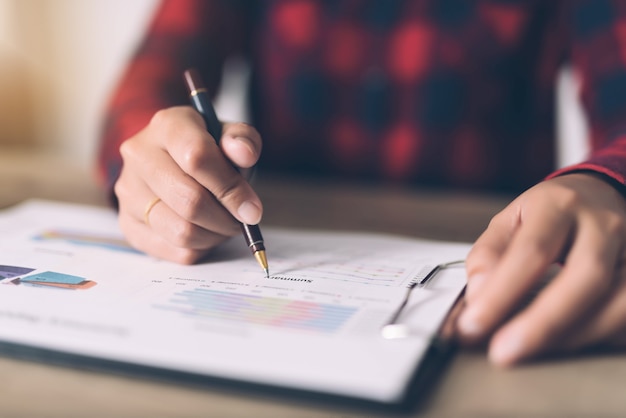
393 329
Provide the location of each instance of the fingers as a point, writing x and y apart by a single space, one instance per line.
488 249
168 235
606 323
145 239
241 144
201 194
200 158
578 220
150 172
519 265
584 279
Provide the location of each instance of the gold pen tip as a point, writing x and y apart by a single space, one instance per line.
262 260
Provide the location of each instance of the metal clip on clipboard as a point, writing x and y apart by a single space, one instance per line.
393 329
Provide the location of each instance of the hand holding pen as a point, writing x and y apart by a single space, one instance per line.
201 102
180 192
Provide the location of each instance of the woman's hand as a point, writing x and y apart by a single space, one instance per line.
199 195
578 220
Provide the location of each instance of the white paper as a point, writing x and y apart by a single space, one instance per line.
313 325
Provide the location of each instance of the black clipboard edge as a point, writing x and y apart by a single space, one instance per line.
424 380
434 363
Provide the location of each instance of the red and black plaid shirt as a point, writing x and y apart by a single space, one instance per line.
451 93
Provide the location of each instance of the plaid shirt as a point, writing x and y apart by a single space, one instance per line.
445 93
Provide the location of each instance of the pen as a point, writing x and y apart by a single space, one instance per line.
201 102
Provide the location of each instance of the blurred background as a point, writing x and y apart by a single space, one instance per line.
59 60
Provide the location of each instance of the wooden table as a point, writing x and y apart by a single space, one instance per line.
583 386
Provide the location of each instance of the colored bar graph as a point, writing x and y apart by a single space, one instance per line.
261 310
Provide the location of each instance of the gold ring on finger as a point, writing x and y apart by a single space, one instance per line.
149 206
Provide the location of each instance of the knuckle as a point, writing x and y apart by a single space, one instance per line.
119 189
188 203
567 198
496 220
247 130
615 224
195 155
162 118
122 188
168 120
227 190
477 259
502 219
128 150
182 234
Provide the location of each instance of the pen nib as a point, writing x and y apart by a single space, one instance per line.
262 259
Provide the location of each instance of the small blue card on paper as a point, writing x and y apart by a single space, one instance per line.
52 277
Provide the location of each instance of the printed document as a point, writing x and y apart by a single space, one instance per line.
71 284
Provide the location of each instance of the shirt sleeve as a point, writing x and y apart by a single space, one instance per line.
180 35
597 33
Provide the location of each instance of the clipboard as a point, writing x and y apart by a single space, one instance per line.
147 326
424 382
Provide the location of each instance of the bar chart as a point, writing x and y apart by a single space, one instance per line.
260 310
